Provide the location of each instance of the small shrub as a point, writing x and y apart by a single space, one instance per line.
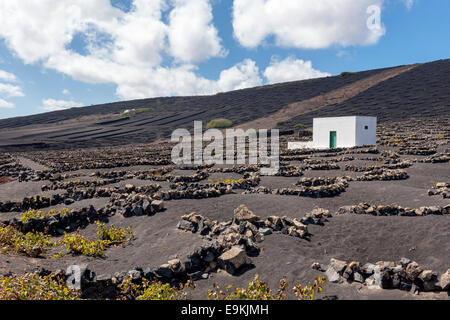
77 244
154 290
39 214
219 123
309 292
346 74
30 244
114 234
280 123
259 290
32 287
256 290
299 126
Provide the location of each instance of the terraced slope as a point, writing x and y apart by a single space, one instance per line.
421 92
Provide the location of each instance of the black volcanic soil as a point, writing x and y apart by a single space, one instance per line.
348 237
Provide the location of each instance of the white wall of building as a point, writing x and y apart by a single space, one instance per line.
344 127
366 131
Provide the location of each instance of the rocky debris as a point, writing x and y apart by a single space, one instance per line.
406 275
233 259
440 188
393 210
444 281
242 213
245 231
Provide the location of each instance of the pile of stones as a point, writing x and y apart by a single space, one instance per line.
388 165
393 210
35 203
440 188
320 181
321 191
136 205
59 223
406 275
383 175
323 166
341 159
290 171
56 185
242 169
440 158
72 195
6 158
193 191
420 151
16 171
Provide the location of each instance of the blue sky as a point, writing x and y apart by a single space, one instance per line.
59 54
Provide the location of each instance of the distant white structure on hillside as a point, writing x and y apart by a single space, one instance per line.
340 132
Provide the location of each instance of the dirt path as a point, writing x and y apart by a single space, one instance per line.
336 96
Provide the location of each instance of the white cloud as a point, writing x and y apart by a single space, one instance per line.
291 69
136 43
146 55
304 23
190 29
6 104
11 90
66 92
8 77
242 75
54 105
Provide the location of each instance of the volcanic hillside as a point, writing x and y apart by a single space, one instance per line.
391 93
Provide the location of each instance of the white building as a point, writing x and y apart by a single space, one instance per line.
340 132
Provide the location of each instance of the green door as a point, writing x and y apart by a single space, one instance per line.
332 139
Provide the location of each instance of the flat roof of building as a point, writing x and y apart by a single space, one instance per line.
345 117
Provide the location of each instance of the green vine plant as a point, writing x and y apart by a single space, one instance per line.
35 244
31 286
260 290
154 290
30 244
108 237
